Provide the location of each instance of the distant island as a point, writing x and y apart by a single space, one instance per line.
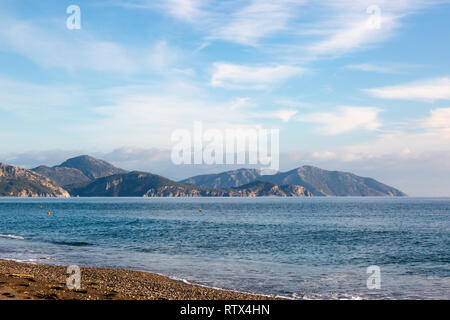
85 176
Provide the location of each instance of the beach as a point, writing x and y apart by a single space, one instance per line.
21 281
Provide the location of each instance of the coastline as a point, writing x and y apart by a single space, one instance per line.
23 281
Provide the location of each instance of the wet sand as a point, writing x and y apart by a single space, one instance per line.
21 281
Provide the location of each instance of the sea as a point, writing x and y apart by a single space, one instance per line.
296 248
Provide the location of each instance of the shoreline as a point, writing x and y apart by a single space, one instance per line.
25 281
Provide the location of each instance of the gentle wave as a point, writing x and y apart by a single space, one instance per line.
229 290
327 297
294 296
72 243
11 236
31 260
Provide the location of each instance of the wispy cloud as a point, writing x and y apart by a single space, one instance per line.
286 115
260 19
344 119
251 77
243 22
370 68
52 47
354 36
292 103
30 99
240 103
421 135
439 119
351 26
357 25
428 90
186 10
282 114
384 68
333 28
145 116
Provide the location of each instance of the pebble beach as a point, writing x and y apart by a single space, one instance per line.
21 281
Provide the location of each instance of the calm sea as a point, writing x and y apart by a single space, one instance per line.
302 248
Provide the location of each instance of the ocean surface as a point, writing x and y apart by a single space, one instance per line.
301 248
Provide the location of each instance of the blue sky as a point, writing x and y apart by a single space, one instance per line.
346 93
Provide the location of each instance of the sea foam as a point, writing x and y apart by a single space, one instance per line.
11 236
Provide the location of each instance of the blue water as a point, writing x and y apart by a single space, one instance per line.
312 248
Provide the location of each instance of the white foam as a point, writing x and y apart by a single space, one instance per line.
229 290
32 260
329 297
11 236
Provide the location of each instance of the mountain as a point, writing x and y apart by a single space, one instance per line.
317 181
78 170
227 179
142 184
268 189
91 167
333 183
17 182
62 176
133 184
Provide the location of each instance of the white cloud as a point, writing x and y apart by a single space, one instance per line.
354 25
249 77
370 68
24 97
138 116
49 49
286 115
428 90
261 18
239 103
184 9
416 159
292 103
425 135
145 116
53 47
243 22
282 114
162 56
438 119
344 120
324 155
332 28
356 34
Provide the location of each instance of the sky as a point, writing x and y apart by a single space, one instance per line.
360 86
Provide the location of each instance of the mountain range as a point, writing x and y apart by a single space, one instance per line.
145 184
317 181
85 176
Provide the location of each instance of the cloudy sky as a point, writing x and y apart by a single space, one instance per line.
361 86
